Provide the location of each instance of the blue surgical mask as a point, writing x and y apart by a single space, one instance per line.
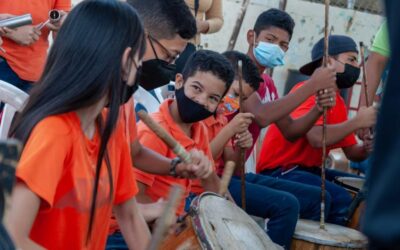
269 55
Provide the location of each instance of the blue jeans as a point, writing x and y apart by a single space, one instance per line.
340 198
5 240
116 241
281 208
8 75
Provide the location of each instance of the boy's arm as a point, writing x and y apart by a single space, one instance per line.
271 112
374 68
365 118
293 129
360 152
237 125
152 162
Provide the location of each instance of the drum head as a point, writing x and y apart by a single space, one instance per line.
220 224
332 235
352 183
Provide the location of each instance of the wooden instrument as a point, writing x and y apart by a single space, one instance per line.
216 223
309 236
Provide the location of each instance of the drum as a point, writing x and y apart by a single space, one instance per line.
216 223
352 184
308 236
357 207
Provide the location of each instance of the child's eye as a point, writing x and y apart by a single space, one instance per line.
195 87
214 99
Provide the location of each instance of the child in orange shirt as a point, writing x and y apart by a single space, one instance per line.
76 165
26 47
199 89
278 200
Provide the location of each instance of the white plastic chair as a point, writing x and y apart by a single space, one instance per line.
13 100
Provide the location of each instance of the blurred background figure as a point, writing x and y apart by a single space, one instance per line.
26 47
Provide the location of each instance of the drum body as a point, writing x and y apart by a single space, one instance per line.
354 187
216 223
308 236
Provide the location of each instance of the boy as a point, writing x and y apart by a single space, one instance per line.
205 80
300 161
268 42
169 25
263 194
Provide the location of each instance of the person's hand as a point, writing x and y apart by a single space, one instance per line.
25 35
202 26
366 117
4 30
57 25
325 99
201 166
323 78
240 122
243 140
5 16
368 141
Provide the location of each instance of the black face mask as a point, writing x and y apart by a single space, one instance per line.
348 77
189 110
128 91
156 73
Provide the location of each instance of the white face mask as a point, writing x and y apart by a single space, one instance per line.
268 54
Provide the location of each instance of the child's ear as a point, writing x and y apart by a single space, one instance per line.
250 37
179 81
126 62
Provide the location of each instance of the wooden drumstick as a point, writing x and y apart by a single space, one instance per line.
242 151
165 136
324 129
364 78
226 177
166 219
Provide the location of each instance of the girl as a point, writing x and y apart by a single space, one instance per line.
76 165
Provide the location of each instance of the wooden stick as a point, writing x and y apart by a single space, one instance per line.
10 151
364 78
165 136
166 219
242 151
324 129
226 177
238 25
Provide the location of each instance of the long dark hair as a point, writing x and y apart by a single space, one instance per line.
83 66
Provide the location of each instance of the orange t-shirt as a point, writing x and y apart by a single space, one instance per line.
214 125
128 122
278 152
158 186
28 61
58 164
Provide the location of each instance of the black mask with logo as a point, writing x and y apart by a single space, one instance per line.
189 110
156 73
347 78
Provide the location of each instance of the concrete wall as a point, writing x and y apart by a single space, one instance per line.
309 18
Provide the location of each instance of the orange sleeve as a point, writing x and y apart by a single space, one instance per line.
126 187
204 145
130 117
42 161
149 140
62 5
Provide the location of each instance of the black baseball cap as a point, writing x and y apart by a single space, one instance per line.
337 44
